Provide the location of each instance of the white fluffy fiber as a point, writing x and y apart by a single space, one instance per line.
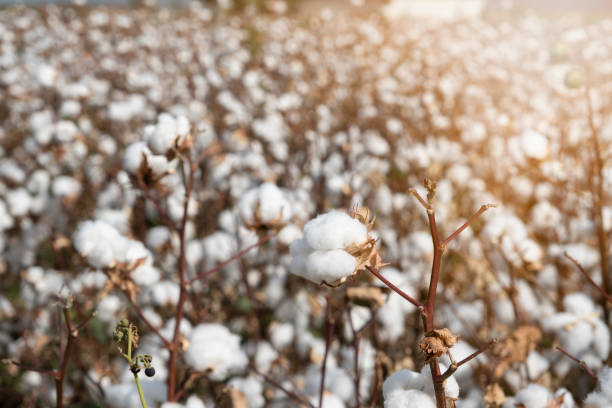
162 136
320 255
409 389
213 347
602 397
133 156
269 201
537 396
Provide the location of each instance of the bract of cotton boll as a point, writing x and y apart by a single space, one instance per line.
251 388
213 347
137 152
264 205
167 133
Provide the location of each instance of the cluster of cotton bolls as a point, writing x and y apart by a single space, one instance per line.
275 126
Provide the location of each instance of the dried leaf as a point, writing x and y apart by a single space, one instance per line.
494 395
516 347
366 295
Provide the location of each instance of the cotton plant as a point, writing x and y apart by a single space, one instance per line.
335 247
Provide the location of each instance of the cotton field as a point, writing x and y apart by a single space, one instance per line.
259 206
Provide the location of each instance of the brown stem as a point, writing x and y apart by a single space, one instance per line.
454 366
289 393
174 349
236 256
477 214
582 364
599 194
588 277
142 317
397 290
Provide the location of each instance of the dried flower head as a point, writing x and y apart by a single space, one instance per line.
437 342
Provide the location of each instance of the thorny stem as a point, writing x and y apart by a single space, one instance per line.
274 383
588 277
582 364
329 329
599 195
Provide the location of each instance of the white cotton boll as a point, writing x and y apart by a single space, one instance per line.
265 355
66 131
536 365
267 202
46 75
376 144
165 293
289 233
213 346
568 399
157 237
70 108
162 136
6 221
503 309
384 200
194 402
108 308
97 240
251 388
11 171
601 339
337 381
19 202
31 379
323 266
132 158
329 401
578 303
334 230
409 399
194 252
64 186
534 396
403 380
281 334
534 145
219 246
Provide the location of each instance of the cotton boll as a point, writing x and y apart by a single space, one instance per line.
534 145
133 156
329 401
281 334
409 399
18 202
108 308
376 144
337 382
288 234
265 355
403 380
536 364
251 388
66 131
534 396
165 293
194 402
213 346
334 230
65 186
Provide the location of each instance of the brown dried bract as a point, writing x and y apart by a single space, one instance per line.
364 216
231 397
259 224
437 342
371 296
516 347
494 395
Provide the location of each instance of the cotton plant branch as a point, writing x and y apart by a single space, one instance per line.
581 363
427 309
454 365
295 397
588 277
65 352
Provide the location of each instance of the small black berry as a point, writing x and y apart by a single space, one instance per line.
149 371
135 369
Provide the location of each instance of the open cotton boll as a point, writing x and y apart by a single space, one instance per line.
265 355
329 401
162 136
337 382
213 347
96 241
602 396
64 186
534 145
281 334
132 158
409 399
403 380
321 266
334 230
19 202
534 396
264 204
251 388
289 233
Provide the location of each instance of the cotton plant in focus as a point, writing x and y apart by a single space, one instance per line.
335 247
